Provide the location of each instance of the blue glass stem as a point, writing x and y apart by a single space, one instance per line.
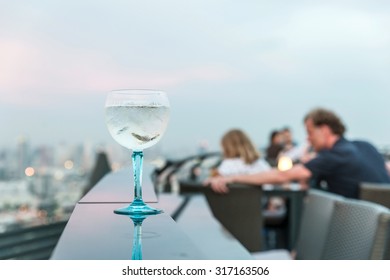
137 158
137 240
138 206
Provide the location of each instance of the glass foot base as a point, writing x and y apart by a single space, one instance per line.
138 207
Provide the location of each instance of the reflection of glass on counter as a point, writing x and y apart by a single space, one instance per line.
137 237
284 163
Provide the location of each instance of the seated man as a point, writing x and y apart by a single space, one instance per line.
340 164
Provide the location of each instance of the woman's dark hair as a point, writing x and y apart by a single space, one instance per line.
273 135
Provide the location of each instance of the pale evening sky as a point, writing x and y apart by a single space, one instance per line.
256 65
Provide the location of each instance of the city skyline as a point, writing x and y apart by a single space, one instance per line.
255 65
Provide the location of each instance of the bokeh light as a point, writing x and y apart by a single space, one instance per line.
29 171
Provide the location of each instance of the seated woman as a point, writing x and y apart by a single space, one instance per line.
239 155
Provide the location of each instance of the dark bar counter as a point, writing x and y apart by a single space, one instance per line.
94 231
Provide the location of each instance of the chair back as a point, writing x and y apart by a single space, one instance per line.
375 192
381 247
240 212
317 213
358 229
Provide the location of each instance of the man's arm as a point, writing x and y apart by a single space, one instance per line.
298 172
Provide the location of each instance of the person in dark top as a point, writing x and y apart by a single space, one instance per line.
275 147
340 165
342 168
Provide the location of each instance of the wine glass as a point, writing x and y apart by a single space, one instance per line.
137 119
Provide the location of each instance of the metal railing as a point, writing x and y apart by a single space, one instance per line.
32 243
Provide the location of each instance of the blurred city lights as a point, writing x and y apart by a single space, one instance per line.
29 171
115 166
68 164
59 175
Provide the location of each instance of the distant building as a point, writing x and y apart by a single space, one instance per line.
24 156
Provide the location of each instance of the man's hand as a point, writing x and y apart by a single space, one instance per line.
218 184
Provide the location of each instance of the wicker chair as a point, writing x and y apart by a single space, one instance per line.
336 228
240 212
376 192
359 230
316 218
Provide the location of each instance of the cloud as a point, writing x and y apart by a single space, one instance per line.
328 44
33 70
334 27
